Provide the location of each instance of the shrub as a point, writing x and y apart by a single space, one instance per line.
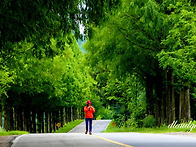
149 122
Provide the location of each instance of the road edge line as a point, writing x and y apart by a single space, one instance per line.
107 125
14 142
75 127
122 144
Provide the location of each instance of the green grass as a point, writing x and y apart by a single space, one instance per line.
67 127
4 133
163 129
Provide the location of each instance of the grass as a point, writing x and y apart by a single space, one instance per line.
6 133
163 129
67 127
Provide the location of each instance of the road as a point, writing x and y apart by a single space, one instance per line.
98 126
77 138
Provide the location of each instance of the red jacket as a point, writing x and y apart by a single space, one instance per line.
89 112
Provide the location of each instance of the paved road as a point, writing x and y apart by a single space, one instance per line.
98 126
77 138
150 140
60 140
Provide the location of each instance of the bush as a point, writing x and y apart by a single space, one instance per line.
149 122
132 123
105 113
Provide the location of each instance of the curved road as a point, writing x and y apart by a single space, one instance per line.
77 138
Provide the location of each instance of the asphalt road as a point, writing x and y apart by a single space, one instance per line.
77 138
98 126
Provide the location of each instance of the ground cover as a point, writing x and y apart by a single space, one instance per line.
163 129
6 133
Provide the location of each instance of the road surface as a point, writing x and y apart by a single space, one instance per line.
77 138
98 126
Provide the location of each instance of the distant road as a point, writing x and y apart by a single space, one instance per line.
98 126
77 138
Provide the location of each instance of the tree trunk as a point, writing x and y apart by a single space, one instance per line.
53 121
11 119
170 100
49 122
15 119
20 118
69 115
9 125
75 114
34 129
62 116
159 105
39 122
46 122
184 105
149 95
30 121
26 119
42 122
163 109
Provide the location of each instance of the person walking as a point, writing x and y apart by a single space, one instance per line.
89 110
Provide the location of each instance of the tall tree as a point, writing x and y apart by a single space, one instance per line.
179 55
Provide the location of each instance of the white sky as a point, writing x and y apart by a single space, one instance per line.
81 28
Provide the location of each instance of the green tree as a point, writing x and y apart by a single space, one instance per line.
179 53
133 39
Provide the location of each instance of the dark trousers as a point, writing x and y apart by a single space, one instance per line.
89 121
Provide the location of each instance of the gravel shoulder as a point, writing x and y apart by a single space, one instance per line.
182 134
6 141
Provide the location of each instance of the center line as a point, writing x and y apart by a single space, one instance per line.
113 141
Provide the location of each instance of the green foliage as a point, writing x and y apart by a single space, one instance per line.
48 76
36 18
126 97
6 79
180 44
104 113
141 39
149 122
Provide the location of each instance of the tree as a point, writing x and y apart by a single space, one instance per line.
133 40
179 55
47 17
132 47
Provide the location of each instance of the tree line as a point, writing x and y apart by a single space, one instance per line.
45 85
43 76
143 56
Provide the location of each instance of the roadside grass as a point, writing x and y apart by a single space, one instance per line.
162 129
6 133
67 127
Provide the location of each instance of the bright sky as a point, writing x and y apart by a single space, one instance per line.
81 29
